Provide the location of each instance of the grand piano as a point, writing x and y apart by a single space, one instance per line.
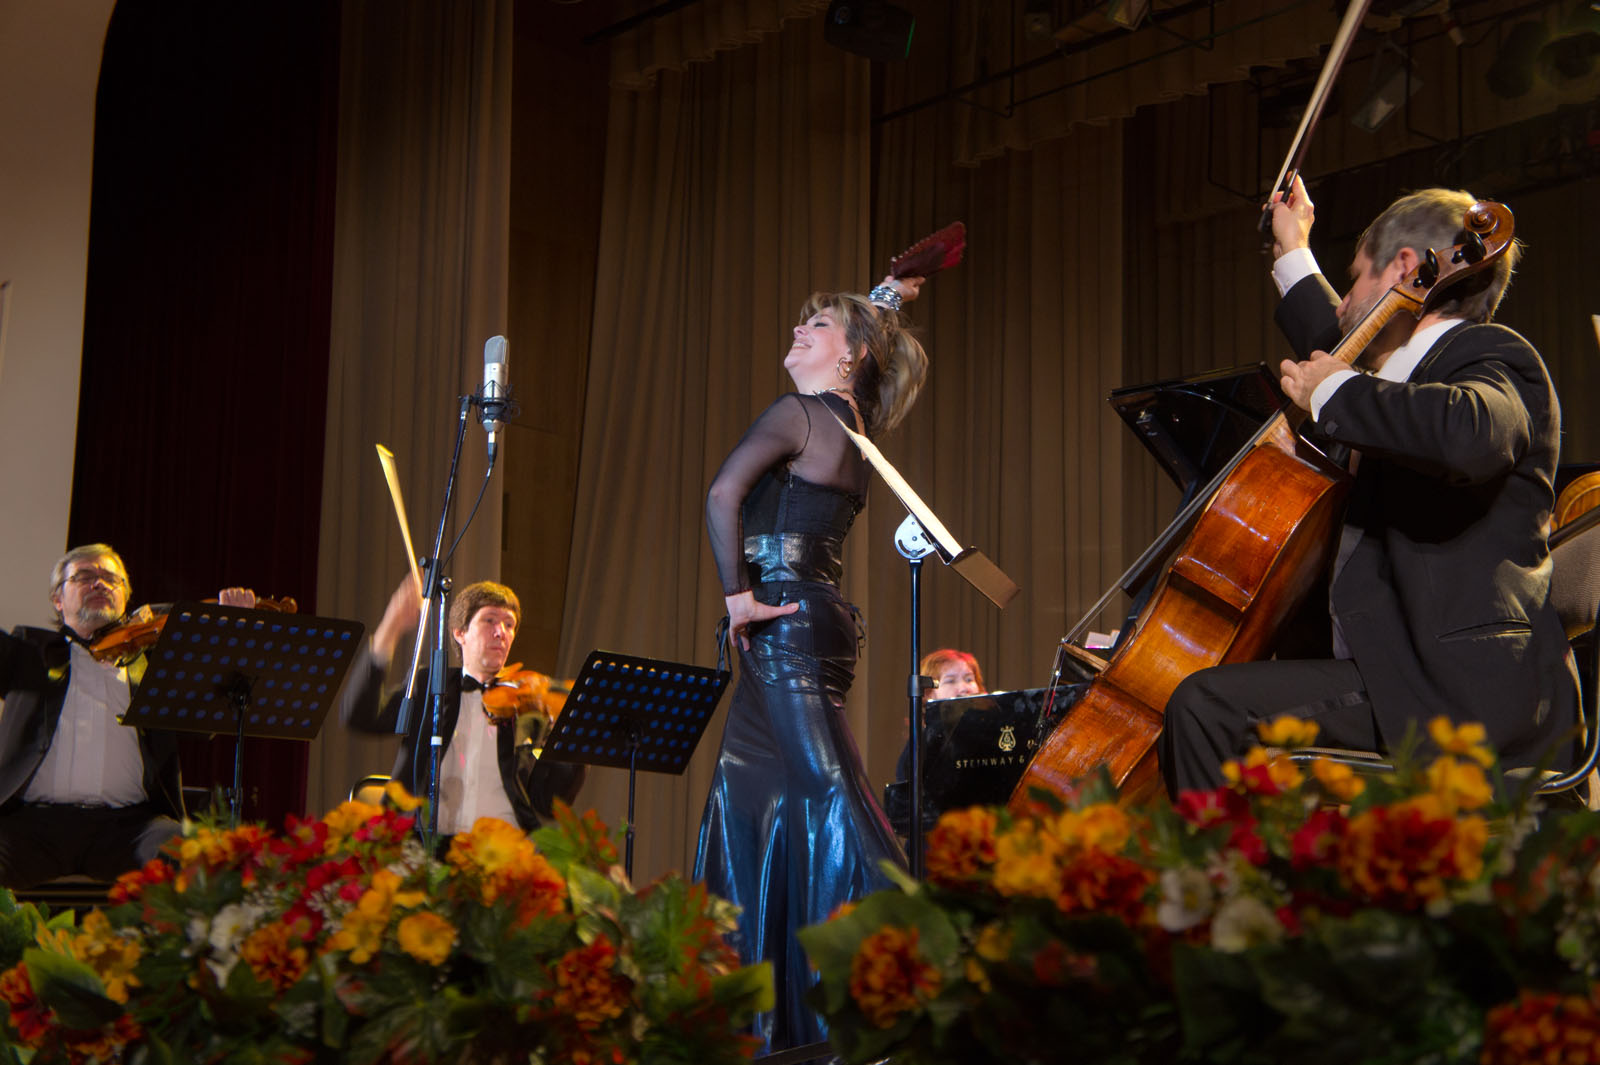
975 749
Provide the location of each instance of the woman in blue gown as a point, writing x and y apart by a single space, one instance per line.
790 828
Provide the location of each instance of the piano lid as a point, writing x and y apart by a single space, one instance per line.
1194 425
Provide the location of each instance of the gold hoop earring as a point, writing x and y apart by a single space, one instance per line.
842 368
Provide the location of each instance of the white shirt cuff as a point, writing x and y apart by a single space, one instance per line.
1292 267
1324 391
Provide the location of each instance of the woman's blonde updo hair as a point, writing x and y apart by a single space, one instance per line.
890 363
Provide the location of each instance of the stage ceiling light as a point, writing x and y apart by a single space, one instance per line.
1391 84
869 28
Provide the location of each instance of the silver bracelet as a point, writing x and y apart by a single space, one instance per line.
887 295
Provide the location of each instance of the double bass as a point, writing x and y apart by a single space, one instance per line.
1254 543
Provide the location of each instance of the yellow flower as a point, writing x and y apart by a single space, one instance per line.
1280 768
1462 785
1466 739
1288 731
403 800
345 819
112 955
994 943
359 935
491 846
1025 863
427 937
1102 827
1339 781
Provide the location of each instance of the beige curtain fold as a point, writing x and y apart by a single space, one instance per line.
694 34
1184 55
732 190
420 266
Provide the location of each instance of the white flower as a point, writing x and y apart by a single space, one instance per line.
1243 922
231 924
1186 898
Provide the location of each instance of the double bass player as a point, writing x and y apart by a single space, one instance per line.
1439 590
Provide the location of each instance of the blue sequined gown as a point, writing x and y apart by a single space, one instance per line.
790 828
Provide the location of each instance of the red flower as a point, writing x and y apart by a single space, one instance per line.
1317 841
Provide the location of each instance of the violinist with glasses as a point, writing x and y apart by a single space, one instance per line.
81 793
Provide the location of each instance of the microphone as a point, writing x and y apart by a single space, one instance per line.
492 401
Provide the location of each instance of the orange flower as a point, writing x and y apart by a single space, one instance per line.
961 846
506 866
1104 826
344 819
1288 731
1098 882
132 884
402 799
1406 854
111 954
276 955
588 988
1462 785
427 937
889 976
1541 1026
30 1018
1025 862
1263 773
1467 740
1339 781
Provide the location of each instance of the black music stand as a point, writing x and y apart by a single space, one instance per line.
219 669
635 713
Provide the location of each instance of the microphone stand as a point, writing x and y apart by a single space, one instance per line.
912 541
436 589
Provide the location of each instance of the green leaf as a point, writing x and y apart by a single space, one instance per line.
70 988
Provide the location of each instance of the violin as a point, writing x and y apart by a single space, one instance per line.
140 629
517 692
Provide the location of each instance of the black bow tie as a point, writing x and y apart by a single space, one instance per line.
469 683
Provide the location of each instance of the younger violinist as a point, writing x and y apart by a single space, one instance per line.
1439 589
488 767
81 793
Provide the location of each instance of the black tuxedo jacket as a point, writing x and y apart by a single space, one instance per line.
532 784
1444 601
35 670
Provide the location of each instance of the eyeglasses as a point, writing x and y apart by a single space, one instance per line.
85 577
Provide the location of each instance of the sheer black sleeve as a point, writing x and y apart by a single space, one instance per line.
778 435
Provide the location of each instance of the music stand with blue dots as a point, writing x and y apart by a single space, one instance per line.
219 669
635 714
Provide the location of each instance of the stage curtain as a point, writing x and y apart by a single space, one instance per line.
693 33
206 314
733 188
420 263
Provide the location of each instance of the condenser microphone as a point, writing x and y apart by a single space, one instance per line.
492 401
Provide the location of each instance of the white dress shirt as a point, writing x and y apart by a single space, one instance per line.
469 772
93 758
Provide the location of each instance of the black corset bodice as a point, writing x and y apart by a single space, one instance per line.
794 530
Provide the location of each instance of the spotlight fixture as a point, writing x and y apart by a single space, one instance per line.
1127 13
1393 82
869 28
1511 73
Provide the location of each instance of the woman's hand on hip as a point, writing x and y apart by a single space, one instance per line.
745 610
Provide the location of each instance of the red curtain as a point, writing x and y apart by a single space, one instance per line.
205 352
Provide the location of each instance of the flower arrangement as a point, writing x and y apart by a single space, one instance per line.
1294 914
341 940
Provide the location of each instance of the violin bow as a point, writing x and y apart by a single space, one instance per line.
1337 51
392 475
